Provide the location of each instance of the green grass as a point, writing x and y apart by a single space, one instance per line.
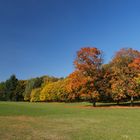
65 121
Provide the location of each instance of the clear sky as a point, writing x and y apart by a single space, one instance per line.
39 37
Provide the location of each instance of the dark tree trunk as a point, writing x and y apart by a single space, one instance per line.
94 103
132 101
118 102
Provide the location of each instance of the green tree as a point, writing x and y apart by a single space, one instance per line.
28 89
32 84
19 91
10 86
2 91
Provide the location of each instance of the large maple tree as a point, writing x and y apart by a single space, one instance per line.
83 82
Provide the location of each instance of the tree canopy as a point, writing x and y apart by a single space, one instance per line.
91 80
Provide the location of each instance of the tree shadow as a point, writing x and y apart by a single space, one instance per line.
121 104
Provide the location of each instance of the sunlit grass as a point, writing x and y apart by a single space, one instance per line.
65 121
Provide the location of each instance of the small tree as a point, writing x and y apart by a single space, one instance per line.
20 89
2 91
35 95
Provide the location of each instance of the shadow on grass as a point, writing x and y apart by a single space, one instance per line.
121 104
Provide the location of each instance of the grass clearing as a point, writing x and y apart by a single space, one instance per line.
65 121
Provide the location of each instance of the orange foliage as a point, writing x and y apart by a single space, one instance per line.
88 61
83 81
123 81
135 64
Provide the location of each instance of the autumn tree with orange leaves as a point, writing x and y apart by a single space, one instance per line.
123 84
83 82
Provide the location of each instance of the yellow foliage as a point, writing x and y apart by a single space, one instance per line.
55 91
34 97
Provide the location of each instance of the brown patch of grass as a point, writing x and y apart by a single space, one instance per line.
29 128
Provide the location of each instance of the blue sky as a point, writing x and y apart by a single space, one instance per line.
39 37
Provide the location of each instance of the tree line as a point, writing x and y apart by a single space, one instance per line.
92 80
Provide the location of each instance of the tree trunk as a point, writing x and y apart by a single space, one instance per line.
132 100
94 103
118 102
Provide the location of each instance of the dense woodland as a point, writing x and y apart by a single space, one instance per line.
92 81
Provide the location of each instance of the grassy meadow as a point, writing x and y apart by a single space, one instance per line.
67 121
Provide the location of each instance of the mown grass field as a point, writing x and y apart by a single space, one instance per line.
65 121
